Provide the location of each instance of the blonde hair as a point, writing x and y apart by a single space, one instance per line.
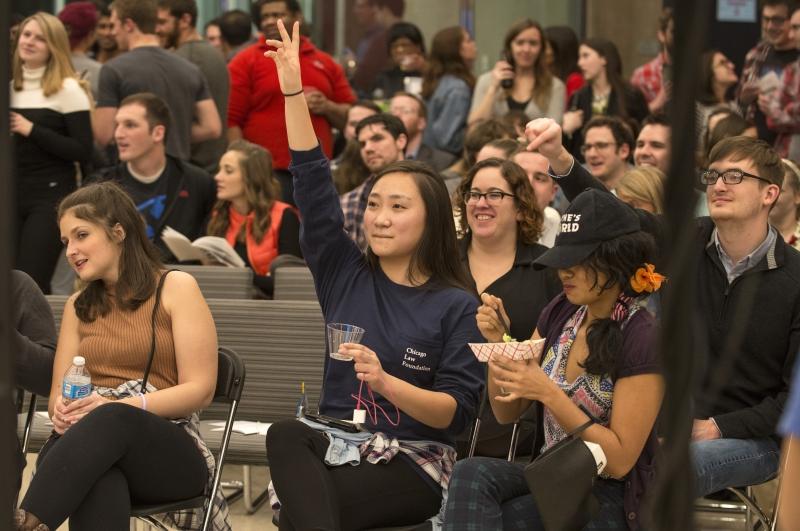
59 65
646 184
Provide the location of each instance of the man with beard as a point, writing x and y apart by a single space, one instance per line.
106 45
383 140
148 68
177 30
255 111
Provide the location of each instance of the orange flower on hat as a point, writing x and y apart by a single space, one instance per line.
646 279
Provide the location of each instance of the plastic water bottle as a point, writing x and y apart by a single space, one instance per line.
77 381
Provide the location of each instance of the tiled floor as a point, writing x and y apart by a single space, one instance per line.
262 519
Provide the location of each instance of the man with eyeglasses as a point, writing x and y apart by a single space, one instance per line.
607 145
255 106
782 107
746 323
775 51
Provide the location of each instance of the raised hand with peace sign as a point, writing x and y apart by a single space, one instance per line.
286 55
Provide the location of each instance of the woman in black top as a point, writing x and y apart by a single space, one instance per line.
51 130
502 223
605 93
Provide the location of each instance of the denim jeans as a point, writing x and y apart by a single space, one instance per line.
723 463
488 494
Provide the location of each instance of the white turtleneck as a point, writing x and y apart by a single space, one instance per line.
71 97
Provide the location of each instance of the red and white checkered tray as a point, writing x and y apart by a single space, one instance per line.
516 350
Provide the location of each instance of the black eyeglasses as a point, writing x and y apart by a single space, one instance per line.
732 176
493 197
778 21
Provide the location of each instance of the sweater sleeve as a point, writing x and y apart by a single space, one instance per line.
34 339
326 247
555 107
239 98
76 145
459 373
289 235
481 87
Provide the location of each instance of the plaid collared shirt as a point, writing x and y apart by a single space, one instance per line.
784 114
751 71
647 77
354 203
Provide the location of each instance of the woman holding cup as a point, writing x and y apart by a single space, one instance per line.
410 295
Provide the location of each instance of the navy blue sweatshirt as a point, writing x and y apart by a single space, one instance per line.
420 334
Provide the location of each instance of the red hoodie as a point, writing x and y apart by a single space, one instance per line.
256 102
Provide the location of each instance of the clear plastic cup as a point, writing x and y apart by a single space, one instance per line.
339 333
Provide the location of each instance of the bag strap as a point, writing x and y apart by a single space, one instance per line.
580 429
156 305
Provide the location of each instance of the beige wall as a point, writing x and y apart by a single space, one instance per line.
630 24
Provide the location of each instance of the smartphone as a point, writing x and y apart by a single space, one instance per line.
666 73
333 422
507 83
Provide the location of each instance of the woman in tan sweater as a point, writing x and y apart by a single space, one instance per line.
118 446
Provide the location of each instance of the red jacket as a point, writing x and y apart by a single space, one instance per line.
256 103
260 255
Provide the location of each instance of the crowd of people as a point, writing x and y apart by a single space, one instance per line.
435 208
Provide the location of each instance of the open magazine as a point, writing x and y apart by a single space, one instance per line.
207 248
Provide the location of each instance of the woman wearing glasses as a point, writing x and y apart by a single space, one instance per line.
502 223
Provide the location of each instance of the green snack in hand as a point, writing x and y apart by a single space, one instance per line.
507 338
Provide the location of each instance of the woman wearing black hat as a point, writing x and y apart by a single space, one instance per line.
599 354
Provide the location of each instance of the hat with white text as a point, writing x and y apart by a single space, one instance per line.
592 218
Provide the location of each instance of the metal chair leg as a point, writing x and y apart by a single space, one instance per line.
251 504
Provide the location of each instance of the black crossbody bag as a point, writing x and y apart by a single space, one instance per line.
561 481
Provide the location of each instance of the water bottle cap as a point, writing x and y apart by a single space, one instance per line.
79 361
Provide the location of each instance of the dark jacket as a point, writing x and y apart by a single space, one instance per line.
747 331
190 196
635 109
439 160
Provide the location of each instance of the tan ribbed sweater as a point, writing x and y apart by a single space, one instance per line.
117 345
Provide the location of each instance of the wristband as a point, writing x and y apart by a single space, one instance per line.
144 402
553 174
292 94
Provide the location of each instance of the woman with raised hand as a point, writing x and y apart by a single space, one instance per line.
248 214
413 369
133 321
51 131
599 356
521 80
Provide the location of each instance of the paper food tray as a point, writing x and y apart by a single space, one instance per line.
516 350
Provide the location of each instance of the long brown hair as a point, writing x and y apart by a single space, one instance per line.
529 228
437 250
107 205
260 188
445 58
608 51
59 65
543 77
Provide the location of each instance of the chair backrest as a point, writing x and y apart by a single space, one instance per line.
230 376
57 303
218 282
282 343
294 283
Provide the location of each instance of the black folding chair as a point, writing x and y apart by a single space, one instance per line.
230 382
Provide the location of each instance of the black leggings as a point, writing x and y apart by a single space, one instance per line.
116 455
38 242
315 496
